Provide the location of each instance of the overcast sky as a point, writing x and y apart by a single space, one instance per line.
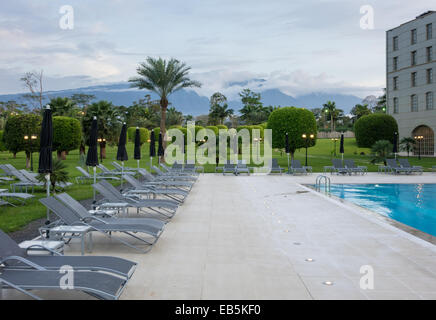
297 46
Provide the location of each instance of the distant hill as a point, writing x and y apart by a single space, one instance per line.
189 102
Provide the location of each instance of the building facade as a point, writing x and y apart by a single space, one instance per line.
410 80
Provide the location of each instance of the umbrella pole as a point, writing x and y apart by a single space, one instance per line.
47 177
288 163
151 163
122 173
138 165
95 180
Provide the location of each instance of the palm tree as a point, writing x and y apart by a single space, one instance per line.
58 175
407 144
163 78
381 150
331 111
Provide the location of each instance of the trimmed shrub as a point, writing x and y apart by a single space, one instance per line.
19 126
67 135
144 134
214 129
222 127
156 133
371 128
295 122
2 144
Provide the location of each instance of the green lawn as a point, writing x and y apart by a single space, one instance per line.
12 219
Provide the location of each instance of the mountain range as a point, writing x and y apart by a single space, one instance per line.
189 102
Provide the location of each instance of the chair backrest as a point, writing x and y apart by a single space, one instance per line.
158 171
337 163
274 163
229 166
392 163
20 176
64 213
73 204
117 165
8 247
29 176
296 164
6 169
135 183
147 175
84 172
177 166
349 163
111 188
105 192
404 163
102 167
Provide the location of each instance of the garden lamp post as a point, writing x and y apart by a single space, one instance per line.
30 139
419 139
256 141
334 143
101 141
307 138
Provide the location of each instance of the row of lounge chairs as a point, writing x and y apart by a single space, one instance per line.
402 166
102 277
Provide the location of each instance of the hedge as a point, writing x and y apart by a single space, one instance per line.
67 134
144 134
19 126
2 144
222 127
373 127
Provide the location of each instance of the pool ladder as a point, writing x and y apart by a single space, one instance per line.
319 181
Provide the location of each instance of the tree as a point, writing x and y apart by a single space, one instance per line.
359 111
82 99
163 78
380 107
174 117
2 143
33 82
64 107
407 144
108 119
381 150
253 111
332 112
295 122
218 111
144 135
67 135
59 174
371 128
16 128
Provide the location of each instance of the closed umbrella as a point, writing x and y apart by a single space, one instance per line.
287 149
45 150
341 147
160 149
121 152
137 151
92 156
395 148
152 148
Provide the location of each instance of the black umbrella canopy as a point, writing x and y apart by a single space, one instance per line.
45 150
341 147
287 149
152 144
137 151
92 156
160 149
121 152
395 144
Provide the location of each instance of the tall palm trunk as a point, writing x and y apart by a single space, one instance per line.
163 118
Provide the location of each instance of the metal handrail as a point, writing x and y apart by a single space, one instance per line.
327 183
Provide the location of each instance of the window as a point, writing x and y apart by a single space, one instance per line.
395 83
395 105
429 29
395 43
414 103
429 76
429 54
395 63
429 100
413 79
413 58
413 36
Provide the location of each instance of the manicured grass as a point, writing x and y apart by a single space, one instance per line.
14 218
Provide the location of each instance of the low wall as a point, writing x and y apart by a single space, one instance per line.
330 135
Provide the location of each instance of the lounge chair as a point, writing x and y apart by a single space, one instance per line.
350 165
84 214
69 217
175 194
339 168
404 163
106 171
166 208
120 167
21 197
32 178
6 176
296 167
174 176
23 181
87 177
241 167
229 168
393 167
165 181
9 248
275 168
192 169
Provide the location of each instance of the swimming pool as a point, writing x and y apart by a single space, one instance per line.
410 204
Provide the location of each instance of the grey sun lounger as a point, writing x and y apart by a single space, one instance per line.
350 165
393 167
166 208
23 181
87 177
229 168
339 168
83 213
242 168
69 217
175 194
193 169
120 167
106 171
404 163
296 167
9 248
275 168
174 176
21 197
32 178
162 181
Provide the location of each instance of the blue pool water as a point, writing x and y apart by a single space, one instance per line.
410 204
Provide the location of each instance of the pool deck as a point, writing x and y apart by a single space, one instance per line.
249 237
